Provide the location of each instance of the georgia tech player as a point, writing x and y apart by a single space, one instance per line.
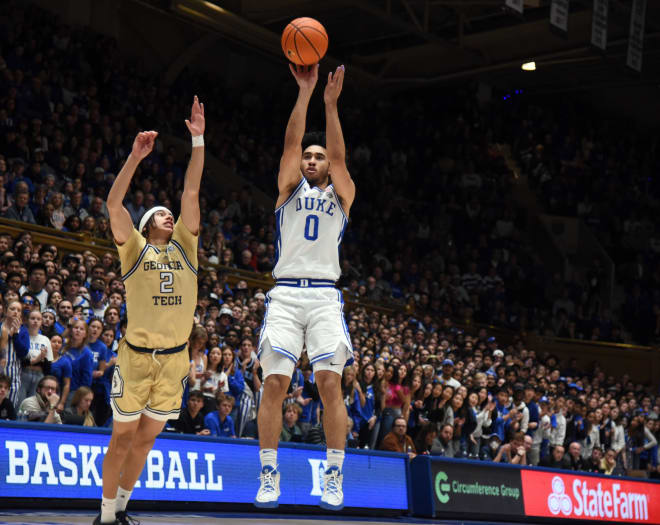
159 270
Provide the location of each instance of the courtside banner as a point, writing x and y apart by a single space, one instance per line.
471 487
567 496
445 488
65 462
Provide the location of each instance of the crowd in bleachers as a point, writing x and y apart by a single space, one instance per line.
430 230
603 171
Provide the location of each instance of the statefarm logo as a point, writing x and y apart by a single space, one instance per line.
558 501
592 500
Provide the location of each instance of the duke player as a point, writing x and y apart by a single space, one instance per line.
305 308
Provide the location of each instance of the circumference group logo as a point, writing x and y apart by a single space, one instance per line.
442 487
559 501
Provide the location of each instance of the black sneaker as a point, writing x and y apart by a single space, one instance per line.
97 521
125 519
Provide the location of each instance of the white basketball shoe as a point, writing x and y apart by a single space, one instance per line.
333 495
269 490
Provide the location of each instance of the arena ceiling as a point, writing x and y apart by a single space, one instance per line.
426 42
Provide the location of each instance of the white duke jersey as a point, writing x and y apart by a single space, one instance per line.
310 226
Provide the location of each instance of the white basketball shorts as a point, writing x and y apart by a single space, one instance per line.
309 317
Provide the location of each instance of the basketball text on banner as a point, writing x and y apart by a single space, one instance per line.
515 5
44 461
559 15
599 24
636 36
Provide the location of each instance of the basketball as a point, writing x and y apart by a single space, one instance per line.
304 41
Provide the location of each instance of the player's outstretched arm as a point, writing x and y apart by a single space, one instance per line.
120 220
190 197
334 141
290 174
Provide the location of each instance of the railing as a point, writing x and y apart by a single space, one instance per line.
66 241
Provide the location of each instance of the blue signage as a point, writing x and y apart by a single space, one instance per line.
38 460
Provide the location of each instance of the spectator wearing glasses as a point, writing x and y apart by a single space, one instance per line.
42 406
397 440
37 284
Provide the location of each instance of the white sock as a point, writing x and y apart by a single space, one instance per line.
108 510
268 457
123 496
335 458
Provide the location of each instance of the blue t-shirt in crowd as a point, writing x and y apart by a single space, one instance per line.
500 425
100 353
82 366
369 408
107 377
61 369
218 428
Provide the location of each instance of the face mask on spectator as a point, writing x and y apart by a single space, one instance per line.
95 295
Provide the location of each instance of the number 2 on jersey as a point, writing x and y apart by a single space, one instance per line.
312 228
166 280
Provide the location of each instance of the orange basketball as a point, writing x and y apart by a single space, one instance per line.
304 41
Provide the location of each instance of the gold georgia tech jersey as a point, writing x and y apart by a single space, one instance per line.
161 288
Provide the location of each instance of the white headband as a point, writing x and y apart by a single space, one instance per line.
147 215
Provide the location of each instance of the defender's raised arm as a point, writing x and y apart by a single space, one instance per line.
190 197
120 220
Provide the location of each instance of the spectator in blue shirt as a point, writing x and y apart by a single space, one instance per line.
102 356
505 411
353 398
370 425
64 314
61 369
220 422
82 359
309 400
533 409
235 377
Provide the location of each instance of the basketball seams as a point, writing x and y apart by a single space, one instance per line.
322 33
298 32
295 44
292 31
286 36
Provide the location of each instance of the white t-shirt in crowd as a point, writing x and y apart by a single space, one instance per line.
36 342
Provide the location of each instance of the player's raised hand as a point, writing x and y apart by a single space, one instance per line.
306 76
196 124
334 85
143 144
